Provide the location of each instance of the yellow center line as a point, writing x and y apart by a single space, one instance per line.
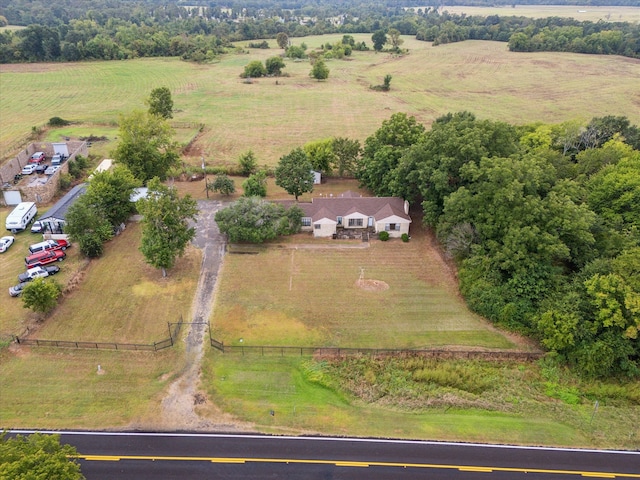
346 463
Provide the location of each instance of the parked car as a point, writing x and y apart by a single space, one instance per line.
51 170
29 168
17 289
44 258
37 227
41 167
49 245
5 243
57 159
37 272
37 157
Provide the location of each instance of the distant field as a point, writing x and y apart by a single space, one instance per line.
579 12
274 117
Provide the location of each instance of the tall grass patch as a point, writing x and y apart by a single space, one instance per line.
303 396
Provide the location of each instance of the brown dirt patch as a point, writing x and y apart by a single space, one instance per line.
371 285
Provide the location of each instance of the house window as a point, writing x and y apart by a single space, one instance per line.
317 226
355 222
391 226
306 221
339 221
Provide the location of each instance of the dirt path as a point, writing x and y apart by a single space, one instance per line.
183 395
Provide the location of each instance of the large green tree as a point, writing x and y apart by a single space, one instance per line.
110 192
383 149
320 154
160 102
88 226
146 145
255 220
37 456
294 173
166 229
345 155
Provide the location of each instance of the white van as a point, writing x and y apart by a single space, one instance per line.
21 216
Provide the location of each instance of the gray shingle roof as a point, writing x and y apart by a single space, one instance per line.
59 210
377 207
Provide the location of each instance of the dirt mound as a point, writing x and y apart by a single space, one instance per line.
372 285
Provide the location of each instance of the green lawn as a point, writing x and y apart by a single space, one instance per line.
300 296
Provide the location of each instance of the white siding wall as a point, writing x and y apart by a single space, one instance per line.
325 230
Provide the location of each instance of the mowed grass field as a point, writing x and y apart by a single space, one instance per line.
309 296
272 117
118 298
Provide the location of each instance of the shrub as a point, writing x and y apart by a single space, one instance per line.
405 237
58 122
384 236
65 181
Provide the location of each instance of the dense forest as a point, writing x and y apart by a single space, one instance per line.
542 220
106 30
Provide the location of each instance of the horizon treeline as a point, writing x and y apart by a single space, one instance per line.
109 30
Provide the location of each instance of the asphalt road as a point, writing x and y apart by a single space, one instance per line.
216 456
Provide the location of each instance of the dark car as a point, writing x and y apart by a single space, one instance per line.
37 272
41 168
17 289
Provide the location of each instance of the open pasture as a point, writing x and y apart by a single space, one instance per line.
273 116
591 13
303 295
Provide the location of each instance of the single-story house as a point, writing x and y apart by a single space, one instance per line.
53 221
326 216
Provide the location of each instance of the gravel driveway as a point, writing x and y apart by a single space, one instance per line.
178 406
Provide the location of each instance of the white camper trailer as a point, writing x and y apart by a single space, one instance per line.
21 216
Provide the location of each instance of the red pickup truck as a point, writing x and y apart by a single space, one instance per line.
44 258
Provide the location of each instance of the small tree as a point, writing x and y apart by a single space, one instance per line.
165 225
37 456
254 69
41 295
222 184
160 102
387 83
248 163
319 71
283 40
274 66
394 37
255 185
379 38
294 174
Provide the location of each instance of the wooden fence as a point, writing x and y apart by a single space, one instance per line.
500 355
174 331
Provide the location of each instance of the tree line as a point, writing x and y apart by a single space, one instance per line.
543 222
77 31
